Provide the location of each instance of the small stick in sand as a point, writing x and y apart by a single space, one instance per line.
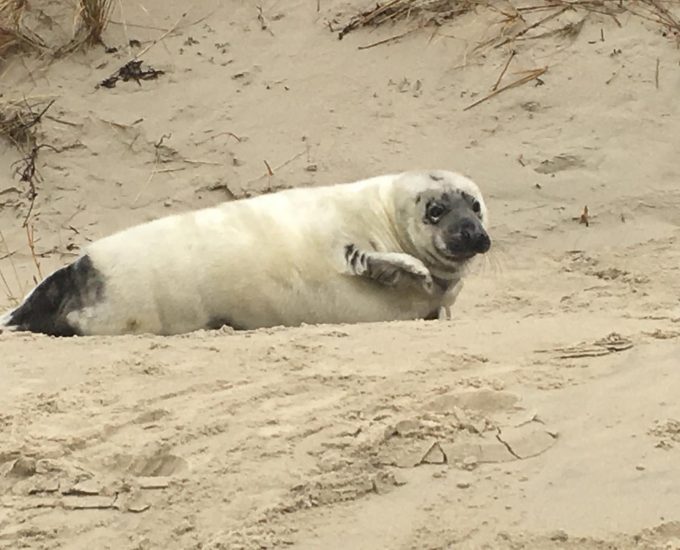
261 19
271 172
656 74
269 169
533 26
507 64
30 231
585 217
386 40
533 75
8 290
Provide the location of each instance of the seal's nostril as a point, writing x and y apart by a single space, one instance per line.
483 243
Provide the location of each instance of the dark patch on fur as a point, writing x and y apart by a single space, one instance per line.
355 258
443 284
432 316
68 289
219 322
436 178
351 255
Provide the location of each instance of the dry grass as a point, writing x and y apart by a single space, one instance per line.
93 17
13 34
18 121
665 13
426 12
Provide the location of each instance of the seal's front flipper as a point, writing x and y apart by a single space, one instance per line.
387 268
449 299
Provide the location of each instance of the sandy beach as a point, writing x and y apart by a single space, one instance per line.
544 415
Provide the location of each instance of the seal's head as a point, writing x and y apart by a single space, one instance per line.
446 217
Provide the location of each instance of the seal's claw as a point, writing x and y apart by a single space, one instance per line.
427 282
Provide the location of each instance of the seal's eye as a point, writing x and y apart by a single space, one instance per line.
476 207
434 212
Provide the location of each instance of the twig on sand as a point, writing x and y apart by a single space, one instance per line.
30 231
208 162
387 40
656 74
154 170
8 290
161 37
534 74
505 68
261 19
11 262
534 25
270 172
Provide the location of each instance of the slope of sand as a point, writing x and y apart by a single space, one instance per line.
545 415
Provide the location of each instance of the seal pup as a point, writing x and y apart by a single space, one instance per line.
390 247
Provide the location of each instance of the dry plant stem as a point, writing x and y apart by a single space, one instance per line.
207 162
154 170
31 244
8 291
534 25
125 27
505 68
271 172
12 33
94 16
528 78
387 40
656 74
138 26
269 169
11 262
260 17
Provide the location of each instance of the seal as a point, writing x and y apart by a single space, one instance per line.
390 247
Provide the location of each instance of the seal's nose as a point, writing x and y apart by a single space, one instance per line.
474 237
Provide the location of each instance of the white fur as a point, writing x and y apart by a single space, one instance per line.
275 259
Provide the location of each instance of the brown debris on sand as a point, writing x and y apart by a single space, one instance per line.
132 70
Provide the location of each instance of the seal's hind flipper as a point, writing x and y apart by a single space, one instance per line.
46 308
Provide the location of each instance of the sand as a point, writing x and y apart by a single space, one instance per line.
544 415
